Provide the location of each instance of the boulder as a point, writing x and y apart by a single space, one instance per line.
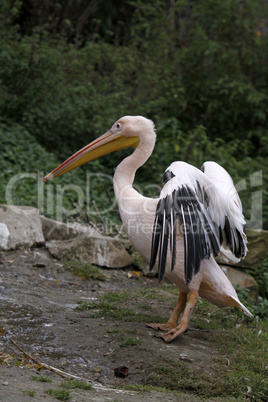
242 279
55 230
102 251
257 249
19 227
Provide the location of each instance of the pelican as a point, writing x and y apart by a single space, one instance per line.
197 216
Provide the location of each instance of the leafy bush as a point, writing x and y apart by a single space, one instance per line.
23 164
198 69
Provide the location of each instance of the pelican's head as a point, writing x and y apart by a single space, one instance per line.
126 132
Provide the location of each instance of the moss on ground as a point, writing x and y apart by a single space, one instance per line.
130 342
85 271
62 395
112 311
41 378
76 384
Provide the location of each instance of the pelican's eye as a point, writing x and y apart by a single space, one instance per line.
118 126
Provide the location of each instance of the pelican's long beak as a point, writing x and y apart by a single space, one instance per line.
105 144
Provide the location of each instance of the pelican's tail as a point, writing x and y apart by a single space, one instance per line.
237 303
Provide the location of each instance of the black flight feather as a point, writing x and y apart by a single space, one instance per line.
167 176
156 233
201 235
163 247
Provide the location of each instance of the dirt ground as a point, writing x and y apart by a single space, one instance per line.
38 296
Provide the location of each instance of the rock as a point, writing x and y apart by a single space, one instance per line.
257 249
40 258
19 227
55 230
102 251
242 279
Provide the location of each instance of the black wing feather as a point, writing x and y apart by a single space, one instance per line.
163 247
156 233
174 229
233 239
167 176
201 235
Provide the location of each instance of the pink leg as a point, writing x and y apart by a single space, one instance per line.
185 319
172 322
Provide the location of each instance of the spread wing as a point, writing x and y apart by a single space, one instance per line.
205 207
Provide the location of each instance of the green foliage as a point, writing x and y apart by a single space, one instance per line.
22 168
62 395
85 271
130 342
76 384
30 393
262 278
41 378
112 306
198 69
258 308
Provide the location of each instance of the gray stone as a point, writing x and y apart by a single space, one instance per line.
55 230
19 227
237 277
257 251
102 251
257 248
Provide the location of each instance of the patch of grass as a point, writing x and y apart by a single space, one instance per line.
30 393
144 306
41 378
153 293
239 372
145 388
169 287
128 315
130 342
60 394
73 384
177 377
257 308
248 356
113 331
242 343
85 271
114 297
209 317
112 310
84 305
132 331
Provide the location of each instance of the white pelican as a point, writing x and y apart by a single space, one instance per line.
197 216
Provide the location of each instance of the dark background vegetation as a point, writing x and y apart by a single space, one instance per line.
70 68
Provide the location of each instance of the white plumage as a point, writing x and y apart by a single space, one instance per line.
197 216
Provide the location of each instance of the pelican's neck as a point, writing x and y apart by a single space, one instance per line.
125 172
